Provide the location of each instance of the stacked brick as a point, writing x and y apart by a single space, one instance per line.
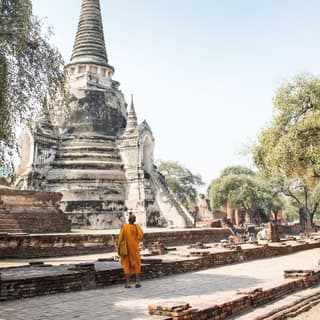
31 212
157 248
235 306
174 310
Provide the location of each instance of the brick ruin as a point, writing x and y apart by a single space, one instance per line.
43 279
29 211
48 245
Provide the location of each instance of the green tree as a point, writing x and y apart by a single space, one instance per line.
289 148
289 210
31 70
237 171
241 188
181 181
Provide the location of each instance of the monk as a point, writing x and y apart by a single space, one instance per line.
131 233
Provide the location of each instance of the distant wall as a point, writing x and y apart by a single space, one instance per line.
37 246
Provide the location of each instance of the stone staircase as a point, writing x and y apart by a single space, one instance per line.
168 200
7 223
97 152
88 170
92 158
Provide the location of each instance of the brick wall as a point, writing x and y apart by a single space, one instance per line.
38 246
85 276
243 303
31 211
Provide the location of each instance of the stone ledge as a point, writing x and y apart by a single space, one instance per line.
29 195
30 211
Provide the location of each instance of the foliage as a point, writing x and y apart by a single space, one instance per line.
236 171
181 181
291 142
289 148
241 188
289 210
31 70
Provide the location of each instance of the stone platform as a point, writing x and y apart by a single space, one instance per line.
29 211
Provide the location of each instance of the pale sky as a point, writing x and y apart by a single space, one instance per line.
203 72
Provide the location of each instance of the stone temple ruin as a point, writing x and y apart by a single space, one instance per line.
91 148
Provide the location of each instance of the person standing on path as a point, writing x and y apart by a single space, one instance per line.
129 251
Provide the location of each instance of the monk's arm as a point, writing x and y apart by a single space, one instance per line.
140 232
121 236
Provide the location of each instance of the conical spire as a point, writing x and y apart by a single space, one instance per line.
89 46
132 111
132 118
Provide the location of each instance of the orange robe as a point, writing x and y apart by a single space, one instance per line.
133 233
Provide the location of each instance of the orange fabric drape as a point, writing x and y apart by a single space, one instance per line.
132 233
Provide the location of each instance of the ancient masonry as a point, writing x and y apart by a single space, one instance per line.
91 148
30 211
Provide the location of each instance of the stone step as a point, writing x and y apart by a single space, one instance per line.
12 231
106 187
88 149
4 214
89 175
24 223
109 144
8 219
92 156
78 215
72 190
7 226
85 164
85 195
88 138
117 189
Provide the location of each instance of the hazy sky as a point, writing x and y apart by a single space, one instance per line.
203 72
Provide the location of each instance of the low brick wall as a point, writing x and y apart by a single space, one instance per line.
289 229
40 246
241 304
182 237
40 220
17 289
80 277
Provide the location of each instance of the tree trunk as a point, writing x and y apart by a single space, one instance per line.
276 218
301 219
251 215
305 220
